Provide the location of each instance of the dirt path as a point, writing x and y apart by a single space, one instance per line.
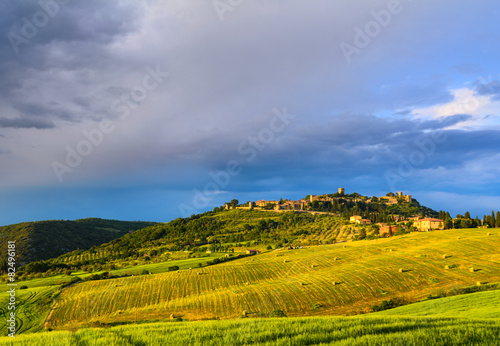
47 320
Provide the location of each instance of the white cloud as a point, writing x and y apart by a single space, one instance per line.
483 109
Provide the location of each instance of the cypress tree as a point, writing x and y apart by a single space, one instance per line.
493 221
497 224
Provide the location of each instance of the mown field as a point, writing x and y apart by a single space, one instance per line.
299 282
358 330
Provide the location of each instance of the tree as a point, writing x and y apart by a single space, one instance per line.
493 221
234 202
448 223
390 194
467 215
362 233
497 223
464 223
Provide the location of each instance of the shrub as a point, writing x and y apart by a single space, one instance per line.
277 313
23 287
387 304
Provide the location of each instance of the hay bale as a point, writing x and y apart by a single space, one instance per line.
488 233
401 270
199 273
334 283
479 283
447 267
445 256
172 316
336 259
244 313
302 284
345 246
472 270
285 261
458 237
178 271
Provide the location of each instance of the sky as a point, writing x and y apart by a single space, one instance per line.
154 110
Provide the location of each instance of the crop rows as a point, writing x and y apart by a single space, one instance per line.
292 280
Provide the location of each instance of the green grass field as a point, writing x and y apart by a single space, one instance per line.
358 330
477 305
366 272
32 308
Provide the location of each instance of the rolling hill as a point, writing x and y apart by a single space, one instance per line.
475 328
339 279
43 240
473 305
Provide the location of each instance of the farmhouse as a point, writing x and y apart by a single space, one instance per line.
386 230
252 252
425 225
355 218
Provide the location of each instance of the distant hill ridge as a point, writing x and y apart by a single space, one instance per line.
42 240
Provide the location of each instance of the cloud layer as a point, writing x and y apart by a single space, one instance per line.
155 97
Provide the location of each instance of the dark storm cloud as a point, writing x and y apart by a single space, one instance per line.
491 87
96 21
354 121
347 144
444 122
26 123
65 53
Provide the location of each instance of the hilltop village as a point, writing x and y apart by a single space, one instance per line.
384 212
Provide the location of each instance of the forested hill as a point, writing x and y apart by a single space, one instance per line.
221 230
48 239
